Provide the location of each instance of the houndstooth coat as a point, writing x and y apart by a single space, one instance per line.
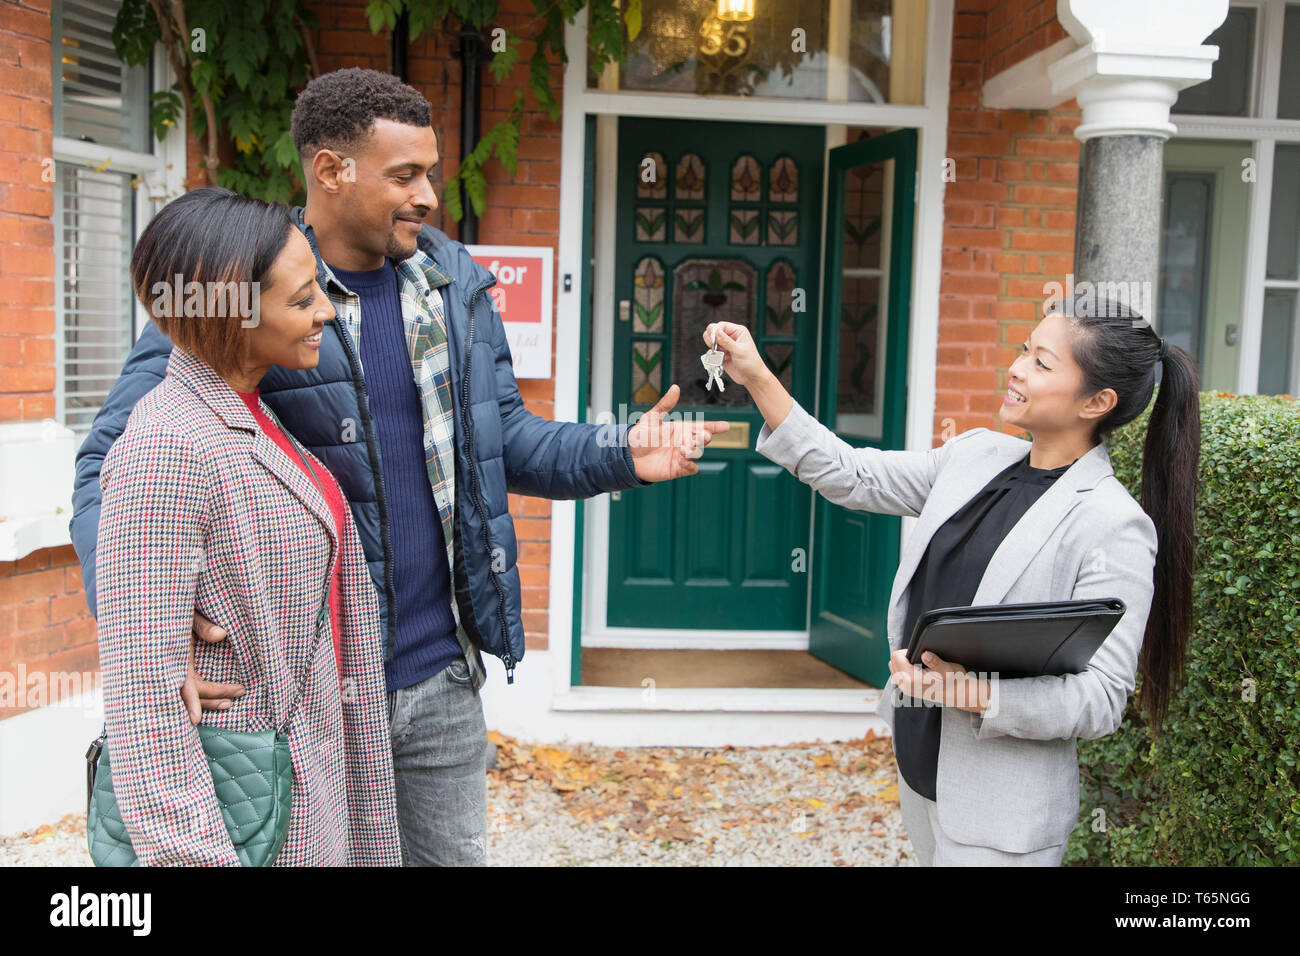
203 511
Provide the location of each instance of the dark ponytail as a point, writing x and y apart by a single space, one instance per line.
1116 348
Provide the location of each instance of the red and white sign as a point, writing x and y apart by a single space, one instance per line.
523 295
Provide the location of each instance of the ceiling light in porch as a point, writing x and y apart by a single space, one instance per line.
736 10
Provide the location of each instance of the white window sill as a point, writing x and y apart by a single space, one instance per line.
19 537
36 474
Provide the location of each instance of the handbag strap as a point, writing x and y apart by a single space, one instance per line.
323 613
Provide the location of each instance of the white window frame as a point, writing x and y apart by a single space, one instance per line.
1264 131
163 178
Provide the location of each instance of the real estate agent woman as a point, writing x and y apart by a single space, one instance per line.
988 768
207 503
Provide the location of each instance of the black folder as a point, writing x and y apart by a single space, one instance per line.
1017 640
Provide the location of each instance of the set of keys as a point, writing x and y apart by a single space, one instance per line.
712 360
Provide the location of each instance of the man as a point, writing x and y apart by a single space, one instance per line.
415 410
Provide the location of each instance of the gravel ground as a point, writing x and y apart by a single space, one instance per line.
55 844
812 804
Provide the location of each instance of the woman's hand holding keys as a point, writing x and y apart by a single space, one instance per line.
745 366
741 362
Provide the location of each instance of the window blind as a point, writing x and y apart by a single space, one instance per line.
98 98
96 231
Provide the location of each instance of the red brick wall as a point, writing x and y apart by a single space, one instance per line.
522 210
44 625
1008 217
26 211
1017 29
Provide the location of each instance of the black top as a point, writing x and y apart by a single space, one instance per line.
948 576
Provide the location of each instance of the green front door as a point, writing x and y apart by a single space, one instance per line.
716 222
863 389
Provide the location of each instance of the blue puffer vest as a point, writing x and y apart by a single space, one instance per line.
501 447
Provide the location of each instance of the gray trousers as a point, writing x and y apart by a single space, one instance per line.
934 848
439 761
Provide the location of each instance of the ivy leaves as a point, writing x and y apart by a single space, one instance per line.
243 63
608 31
502 140
426 15
239 66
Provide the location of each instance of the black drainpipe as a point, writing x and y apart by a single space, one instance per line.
398 41
471 58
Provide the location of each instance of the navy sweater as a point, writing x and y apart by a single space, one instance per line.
425 640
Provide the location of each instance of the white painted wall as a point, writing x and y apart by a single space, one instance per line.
42 761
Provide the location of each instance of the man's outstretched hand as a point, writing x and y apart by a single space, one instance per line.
664 450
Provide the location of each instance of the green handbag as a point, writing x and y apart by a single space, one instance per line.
252 774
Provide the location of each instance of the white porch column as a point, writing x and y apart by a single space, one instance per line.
1133 58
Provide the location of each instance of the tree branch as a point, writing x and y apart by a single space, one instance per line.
212 156
306 43
174 54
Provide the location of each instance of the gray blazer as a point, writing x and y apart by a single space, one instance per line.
1008 779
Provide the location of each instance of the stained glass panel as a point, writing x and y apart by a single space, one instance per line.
690 177
688 225
783 181
780 359
647 372
649 297
651 224
783 228
705 291
780 300
858 346
864 189
746 180
652 177
744 227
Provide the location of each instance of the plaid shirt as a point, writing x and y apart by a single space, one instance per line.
419 281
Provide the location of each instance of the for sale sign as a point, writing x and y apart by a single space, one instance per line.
523 296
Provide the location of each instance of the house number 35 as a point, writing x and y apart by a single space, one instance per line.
731 39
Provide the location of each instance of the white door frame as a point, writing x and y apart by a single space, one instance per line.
931 122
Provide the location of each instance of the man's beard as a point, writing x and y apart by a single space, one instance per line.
396 251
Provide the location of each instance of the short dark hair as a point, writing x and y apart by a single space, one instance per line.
217 238
338 110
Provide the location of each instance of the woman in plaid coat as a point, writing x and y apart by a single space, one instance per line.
208 504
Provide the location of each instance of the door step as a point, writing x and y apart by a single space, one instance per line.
765 671
754 700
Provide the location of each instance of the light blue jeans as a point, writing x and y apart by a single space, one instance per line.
439 760
935 848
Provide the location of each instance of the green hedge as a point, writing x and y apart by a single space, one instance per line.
1220 784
